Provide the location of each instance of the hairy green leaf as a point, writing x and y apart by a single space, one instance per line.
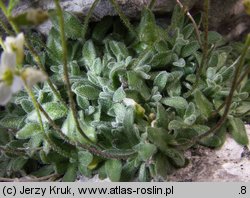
113 169
238 131
29 130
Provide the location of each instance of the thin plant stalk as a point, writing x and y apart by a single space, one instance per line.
91 149
197 32
123 17
231 93
202 67
87 18
151 4
66 73
5 28
52 144
41 66
34 54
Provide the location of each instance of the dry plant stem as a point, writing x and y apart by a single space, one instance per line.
91 149
52 144
39 179
197 32
123 17
231 93
86 20
66 73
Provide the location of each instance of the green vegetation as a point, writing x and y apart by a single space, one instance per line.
123 100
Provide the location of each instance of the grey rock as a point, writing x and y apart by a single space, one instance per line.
223 14
230 163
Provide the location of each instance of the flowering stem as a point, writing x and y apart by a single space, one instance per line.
197 32
3 7
51 143
205 43
86 20
41 66
123 17
33 52
151 4
2 24
1 43
66 73
91 149
231 93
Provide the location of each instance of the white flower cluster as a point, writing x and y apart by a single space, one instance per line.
13 80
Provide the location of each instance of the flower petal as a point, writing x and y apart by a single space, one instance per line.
15 45
20 40
17 84
8 61
16 42
5 95
33 76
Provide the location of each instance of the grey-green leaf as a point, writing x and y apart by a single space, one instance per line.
145 151
190 49
73 26
176 156
12 122
119 95
89 53
128 124
203 104
143 173
159 137
87 91
161 80
54 109
113 169
29 130
180 63
176 102
85 158
71 173
238 131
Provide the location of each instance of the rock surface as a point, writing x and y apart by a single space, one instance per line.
231 163
227 16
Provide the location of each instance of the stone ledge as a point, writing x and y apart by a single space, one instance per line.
230 163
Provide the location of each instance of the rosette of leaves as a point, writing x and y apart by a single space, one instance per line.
157 70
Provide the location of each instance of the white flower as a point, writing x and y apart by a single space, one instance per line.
9 82
32 76
15 45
